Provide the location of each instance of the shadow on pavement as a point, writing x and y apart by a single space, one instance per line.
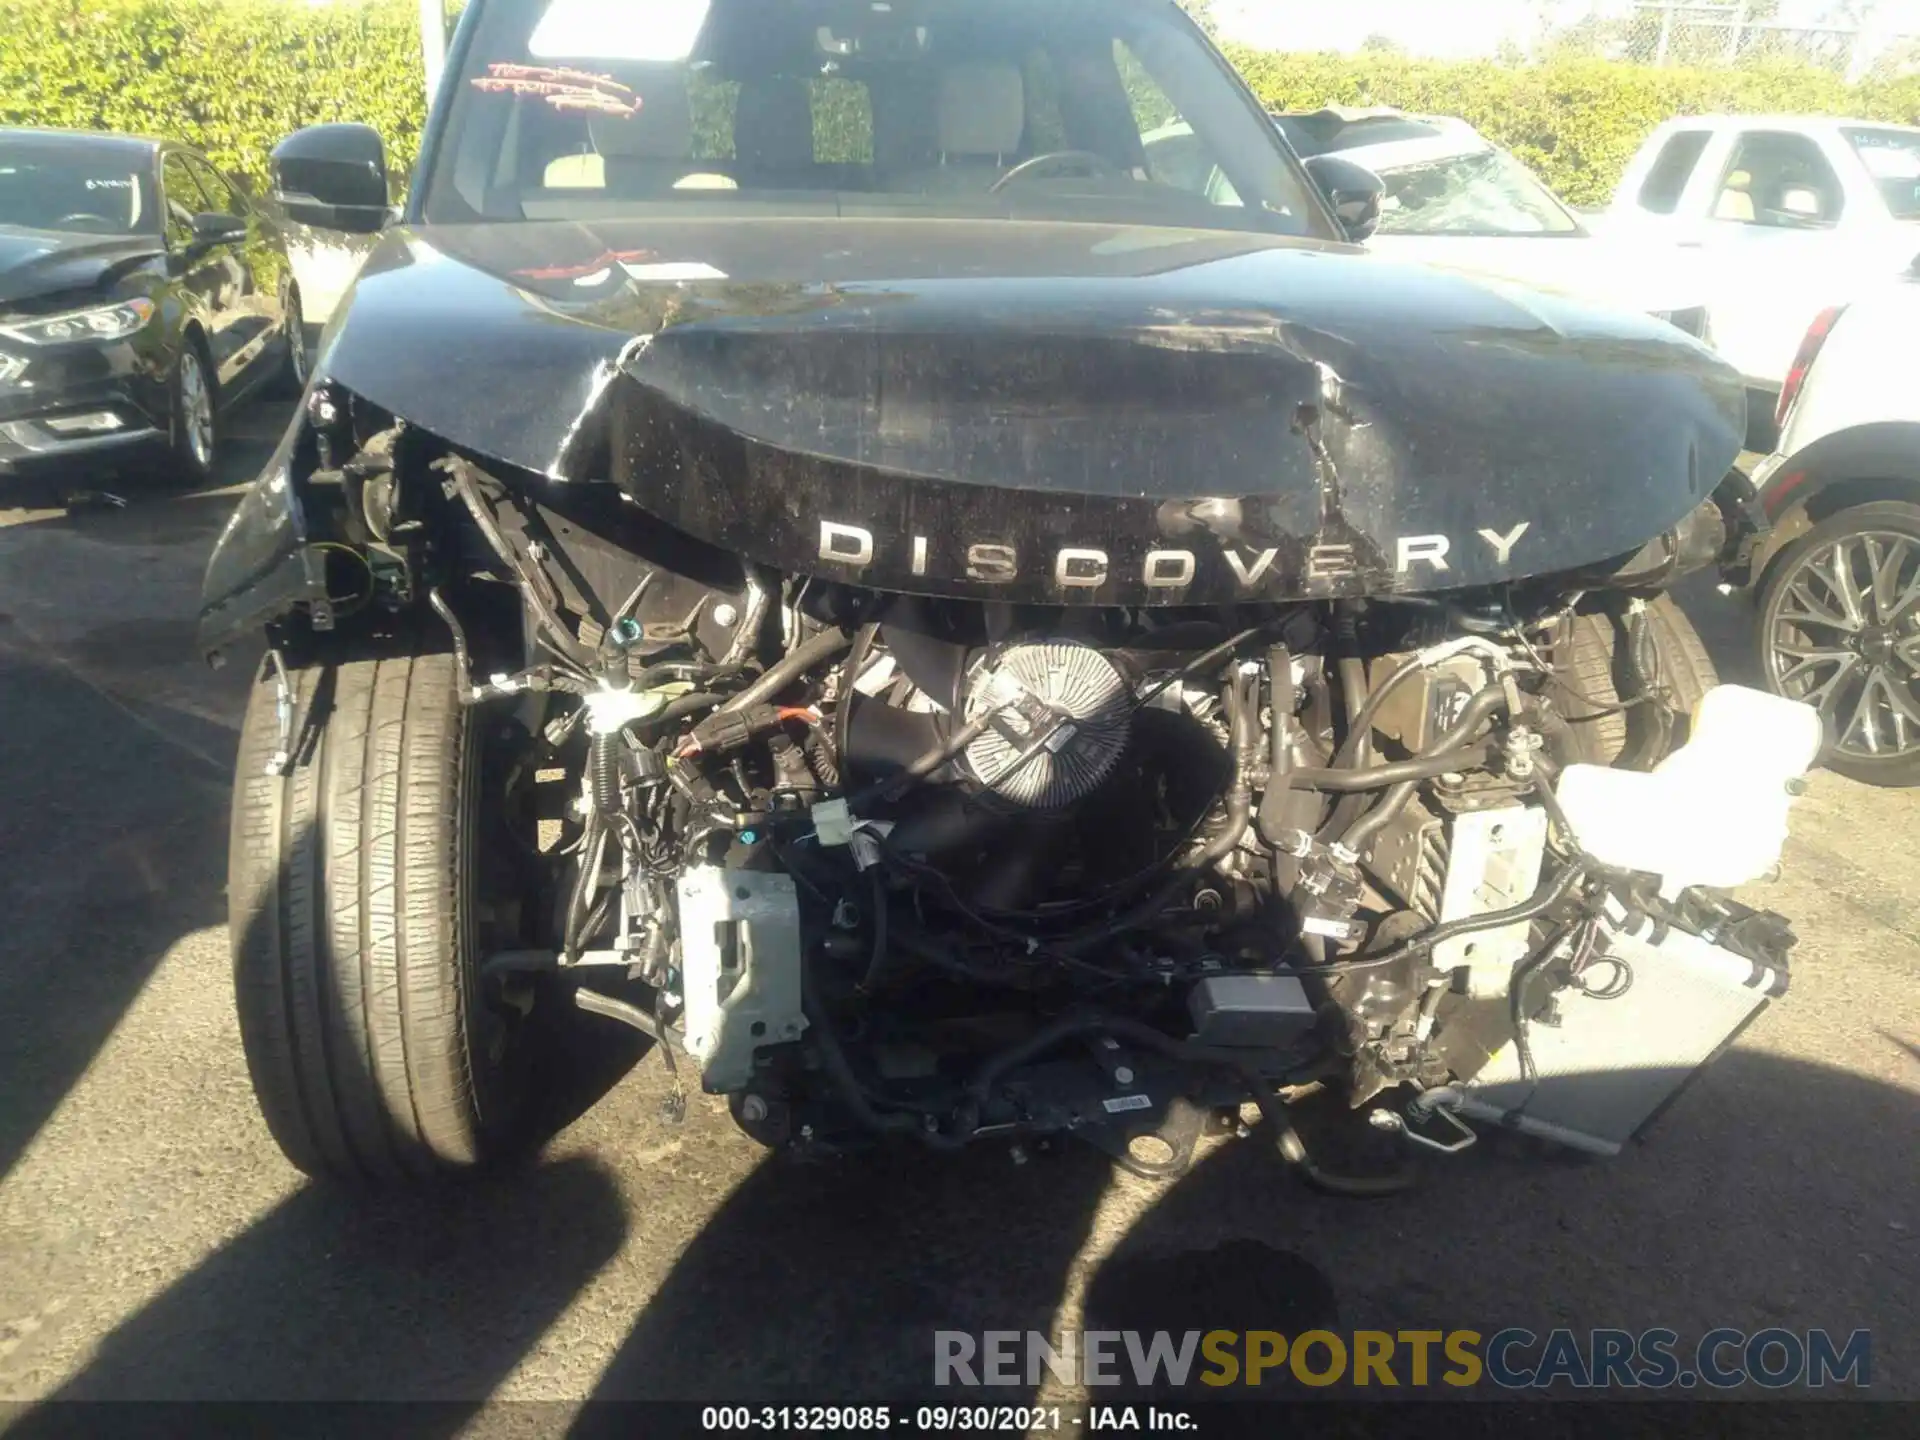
829 1281
335 1296
1791 1210
114 818
114 838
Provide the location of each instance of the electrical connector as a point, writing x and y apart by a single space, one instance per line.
833 823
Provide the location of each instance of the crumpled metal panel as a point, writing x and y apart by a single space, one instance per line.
1055 413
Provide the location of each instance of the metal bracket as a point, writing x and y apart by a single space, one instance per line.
282 759
740 969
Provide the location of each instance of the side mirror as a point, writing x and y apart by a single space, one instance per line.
216 227
1354 192
333 177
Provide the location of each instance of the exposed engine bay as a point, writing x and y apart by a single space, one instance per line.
976 640
878 865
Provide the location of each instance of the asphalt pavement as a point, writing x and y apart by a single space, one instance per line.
153 1243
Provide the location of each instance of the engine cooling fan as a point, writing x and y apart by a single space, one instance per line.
1063 722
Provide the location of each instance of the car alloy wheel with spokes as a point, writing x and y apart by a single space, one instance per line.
196 409
1840 622
292 379
297 344
194 445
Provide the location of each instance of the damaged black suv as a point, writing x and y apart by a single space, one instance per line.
800 540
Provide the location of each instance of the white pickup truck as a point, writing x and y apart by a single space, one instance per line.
1795 213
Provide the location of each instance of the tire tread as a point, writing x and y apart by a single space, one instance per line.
1590 662
350 955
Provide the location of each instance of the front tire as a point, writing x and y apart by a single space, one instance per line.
1839 629
1595 672
290 381
193 447
356 914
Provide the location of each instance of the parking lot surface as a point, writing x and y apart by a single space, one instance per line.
154 1244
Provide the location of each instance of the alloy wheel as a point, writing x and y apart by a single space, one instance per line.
1843 635
196 409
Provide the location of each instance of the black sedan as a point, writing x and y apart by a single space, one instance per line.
142 295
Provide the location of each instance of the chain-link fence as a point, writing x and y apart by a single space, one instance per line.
1858 40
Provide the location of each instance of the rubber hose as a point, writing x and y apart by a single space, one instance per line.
654 676
834 1061
856 661
1280 769
592 856
1361 706
824 646
594 1003
683 708
1360 727
462 661
603 773
944 753
1473 925
1380 777
1201 664
878 964
1479 710
1294 1150
825 768
532 580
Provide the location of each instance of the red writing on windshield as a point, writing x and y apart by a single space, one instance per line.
561 87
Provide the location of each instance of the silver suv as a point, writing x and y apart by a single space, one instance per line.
1837 585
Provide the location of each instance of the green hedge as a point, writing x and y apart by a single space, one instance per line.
231 76
235 75
1577 121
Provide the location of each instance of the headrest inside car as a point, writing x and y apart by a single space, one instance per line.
663 130
983 110
773 125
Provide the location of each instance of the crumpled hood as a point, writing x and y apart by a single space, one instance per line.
50 262
950 406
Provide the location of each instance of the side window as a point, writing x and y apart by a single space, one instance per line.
716 105
1779 181
1666 182
1152 110
214 186
184 199
1176 156
842 122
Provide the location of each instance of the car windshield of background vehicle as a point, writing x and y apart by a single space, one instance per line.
1490 193
43 188
1028 109
1892 158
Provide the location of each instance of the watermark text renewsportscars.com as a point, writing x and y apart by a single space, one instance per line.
1511 1359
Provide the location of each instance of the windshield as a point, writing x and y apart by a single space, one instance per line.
64 187
1892 157
1029 109
1488 193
